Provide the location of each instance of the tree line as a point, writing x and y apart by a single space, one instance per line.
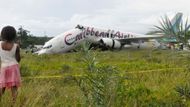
25 39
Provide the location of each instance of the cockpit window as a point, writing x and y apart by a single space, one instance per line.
47 47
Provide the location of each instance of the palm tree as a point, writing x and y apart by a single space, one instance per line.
173 29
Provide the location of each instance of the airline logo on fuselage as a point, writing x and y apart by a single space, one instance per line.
69 40
107 34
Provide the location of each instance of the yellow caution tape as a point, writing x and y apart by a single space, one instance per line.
146 71
80 75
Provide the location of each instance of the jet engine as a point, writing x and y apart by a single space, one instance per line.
110 43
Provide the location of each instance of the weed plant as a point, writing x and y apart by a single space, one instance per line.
101 85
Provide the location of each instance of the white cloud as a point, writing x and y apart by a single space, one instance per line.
57 16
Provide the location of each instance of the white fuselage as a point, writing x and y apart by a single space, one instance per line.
70 39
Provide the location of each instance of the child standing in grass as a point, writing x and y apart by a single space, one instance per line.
10 57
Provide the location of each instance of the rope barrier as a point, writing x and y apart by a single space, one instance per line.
80 75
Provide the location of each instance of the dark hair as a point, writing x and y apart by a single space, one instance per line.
8 33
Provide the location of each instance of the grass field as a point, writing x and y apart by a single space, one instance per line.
143 78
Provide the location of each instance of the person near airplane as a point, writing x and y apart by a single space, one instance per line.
10 57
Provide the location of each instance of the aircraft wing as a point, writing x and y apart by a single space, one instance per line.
139 38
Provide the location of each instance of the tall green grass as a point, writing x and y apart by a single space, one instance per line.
147 80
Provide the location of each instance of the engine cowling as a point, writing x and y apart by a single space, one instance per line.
110 43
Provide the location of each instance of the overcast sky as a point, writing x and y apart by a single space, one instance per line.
52 17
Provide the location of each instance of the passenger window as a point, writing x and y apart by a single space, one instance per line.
47 47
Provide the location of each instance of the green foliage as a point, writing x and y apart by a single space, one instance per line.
123 78
66 68
184 91
25 39
138 95
102 86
